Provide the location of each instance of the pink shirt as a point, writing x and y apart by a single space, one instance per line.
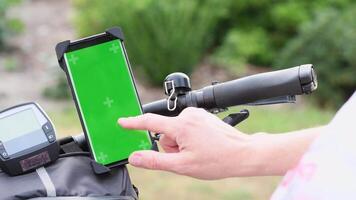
328 169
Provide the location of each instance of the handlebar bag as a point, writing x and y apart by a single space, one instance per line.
68 178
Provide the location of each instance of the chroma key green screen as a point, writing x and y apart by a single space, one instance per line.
105 91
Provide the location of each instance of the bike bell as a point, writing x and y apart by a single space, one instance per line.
177 82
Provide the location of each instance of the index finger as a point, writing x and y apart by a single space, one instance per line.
152 122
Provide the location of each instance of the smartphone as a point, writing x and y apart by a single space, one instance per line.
103 88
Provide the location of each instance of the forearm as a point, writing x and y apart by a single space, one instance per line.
273 154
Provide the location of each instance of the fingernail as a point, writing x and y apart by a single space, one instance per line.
121 120
135 159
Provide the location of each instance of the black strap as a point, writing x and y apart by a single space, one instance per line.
71 147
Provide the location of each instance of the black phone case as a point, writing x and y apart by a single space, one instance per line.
67 46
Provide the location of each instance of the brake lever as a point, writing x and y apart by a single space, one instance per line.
232 119
156 137
235 118
274 100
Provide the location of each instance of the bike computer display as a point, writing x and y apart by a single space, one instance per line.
27 139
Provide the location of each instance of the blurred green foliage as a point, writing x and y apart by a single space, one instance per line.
329 42
262 32
59 91
241 47
8 26
168 36
263 27
11 64
163 36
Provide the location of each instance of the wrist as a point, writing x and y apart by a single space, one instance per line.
263 154
252 156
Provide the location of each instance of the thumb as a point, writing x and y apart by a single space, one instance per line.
154 160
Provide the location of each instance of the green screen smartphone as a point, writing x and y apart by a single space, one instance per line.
103 88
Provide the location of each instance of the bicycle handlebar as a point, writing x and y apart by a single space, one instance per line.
293 81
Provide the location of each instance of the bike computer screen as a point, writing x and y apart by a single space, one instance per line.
104 90
27 139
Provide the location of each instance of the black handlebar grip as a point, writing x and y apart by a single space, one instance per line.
292 81
157 107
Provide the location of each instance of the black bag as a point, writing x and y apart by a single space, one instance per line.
69 177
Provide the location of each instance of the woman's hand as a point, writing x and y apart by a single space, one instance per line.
196 143
200 145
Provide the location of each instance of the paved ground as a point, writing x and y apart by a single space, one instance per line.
46 23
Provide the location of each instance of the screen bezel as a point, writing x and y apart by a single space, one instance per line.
41 117
85 43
